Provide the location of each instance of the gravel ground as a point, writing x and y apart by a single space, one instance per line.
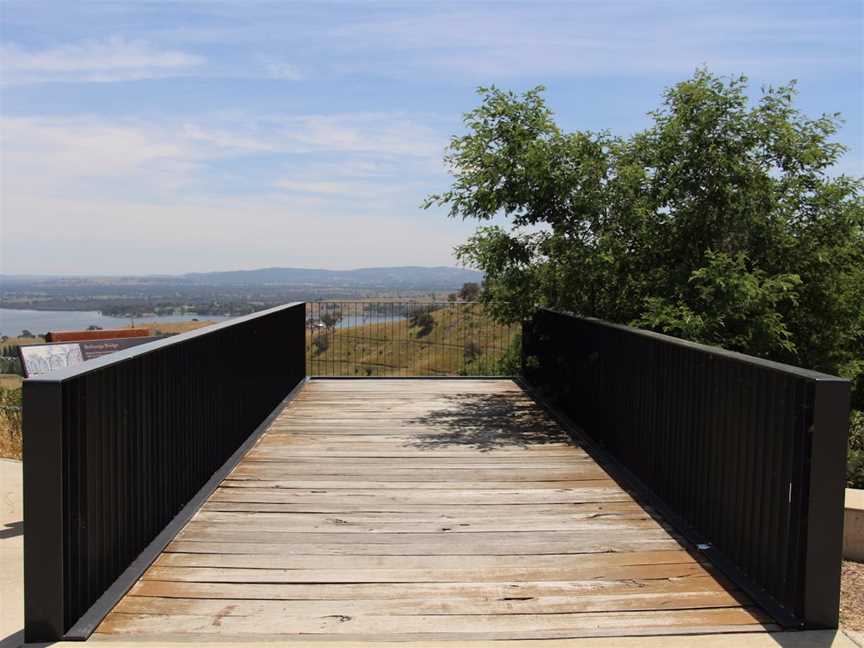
852 596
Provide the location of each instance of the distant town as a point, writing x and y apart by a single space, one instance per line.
224 294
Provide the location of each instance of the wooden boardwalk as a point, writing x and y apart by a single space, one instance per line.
423 509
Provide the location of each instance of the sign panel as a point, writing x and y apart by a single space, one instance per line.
37 359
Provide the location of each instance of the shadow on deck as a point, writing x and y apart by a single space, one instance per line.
484 422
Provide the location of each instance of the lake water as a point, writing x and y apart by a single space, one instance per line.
13 321
348 321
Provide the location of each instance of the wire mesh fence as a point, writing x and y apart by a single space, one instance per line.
397 338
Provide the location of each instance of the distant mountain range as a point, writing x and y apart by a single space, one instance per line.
405 277
395 278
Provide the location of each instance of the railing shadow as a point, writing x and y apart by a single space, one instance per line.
485 422
13 640
12 530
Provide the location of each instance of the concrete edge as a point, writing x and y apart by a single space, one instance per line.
853 525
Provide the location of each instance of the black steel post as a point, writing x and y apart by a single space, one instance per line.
44 528
829 436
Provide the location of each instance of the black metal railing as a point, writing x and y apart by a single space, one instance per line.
398 338
115 448
747 455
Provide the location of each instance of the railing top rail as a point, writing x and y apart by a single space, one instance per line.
712 350
117 357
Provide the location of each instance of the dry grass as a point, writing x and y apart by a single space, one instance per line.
10 417
156 328
10 441
10 381
17 341
463 340
852 596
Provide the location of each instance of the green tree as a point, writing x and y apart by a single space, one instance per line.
420 317
722 222
469 291
329 319
321 343
855 465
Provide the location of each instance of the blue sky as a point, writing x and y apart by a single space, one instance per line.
142 137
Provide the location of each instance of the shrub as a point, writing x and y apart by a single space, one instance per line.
422 319
508 364
471 351
321 344
855 462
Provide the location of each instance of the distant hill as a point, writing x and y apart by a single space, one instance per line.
395 278
223 293
403 277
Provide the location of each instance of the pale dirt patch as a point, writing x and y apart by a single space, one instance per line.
852 596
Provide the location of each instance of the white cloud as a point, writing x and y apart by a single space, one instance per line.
346 189
57 152
364 183
77 155
225 140
50 235
112 59
363 194
504 40
160 196
384 133
282 70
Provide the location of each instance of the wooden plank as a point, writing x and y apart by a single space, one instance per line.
416 447
515 594
456 542
559 561
505 433
581 511
425 460
599 491
414 475
330 447
521 626
427 511
502 574
352 524
487 640
279 544
327 482
385 465
338 452
267 603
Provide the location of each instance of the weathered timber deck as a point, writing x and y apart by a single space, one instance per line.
423 509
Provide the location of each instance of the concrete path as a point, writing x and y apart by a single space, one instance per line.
11 555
